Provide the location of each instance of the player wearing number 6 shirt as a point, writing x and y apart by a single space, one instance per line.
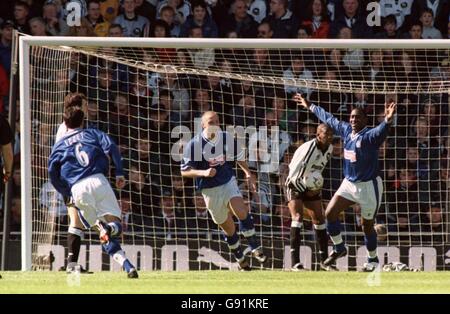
78 166
75 231
362 184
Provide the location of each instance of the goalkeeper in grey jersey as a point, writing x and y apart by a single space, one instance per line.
308 162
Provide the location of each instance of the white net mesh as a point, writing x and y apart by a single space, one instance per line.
138 96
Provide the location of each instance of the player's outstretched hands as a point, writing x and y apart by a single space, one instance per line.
120 182
389 110
210 173
298 98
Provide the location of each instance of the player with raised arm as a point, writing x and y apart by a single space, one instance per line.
362 184
75 231
78 166
207 159
309 160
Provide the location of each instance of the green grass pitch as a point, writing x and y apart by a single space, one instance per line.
217 282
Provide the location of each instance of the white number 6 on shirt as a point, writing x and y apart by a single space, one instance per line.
82 157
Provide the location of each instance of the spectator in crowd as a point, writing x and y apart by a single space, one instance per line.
297 72
428 159
202 58
375 70
448 29
317 19
16 214
115 30
429 31
304 32
257 9
165 102
54 24
415 31
200 18
336 65
402 207
440 10
247 110
287 118
200 221
141 192
85 29
264 30
266 160
7 28
354 57
37 27
182 9
353 19
390 28
167 14
4 89
21 16
98 23
407 69
146 9
51 201
399 10
433 223
239 21
282 21
133 25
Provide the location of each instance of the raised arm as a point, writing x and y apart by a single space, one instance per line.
339 127
378 134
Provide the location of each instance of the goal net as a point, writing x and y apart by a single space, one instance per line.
148 95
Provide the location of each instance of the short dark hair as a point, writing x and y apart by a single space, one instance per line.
361 111
73 117
22 4
390 19
414 23
115 26
160 23
427 10
74 100
307 29
198 3
93 1
166 8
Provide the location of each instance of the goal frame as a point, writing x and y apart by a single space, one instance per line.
26 42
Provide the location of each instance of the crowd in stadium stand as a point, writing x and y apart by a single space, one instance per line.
414 159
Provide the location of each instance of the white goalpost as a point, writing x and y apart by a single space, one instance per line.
146 94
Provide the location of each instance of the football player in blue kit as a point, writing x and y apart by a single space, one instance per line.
362 184
78 166
207 158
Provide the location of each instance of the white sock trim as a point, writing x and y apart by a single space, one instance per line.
119 257
76 231
336 239
234 246
249 233
296 224
320 227
372 254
